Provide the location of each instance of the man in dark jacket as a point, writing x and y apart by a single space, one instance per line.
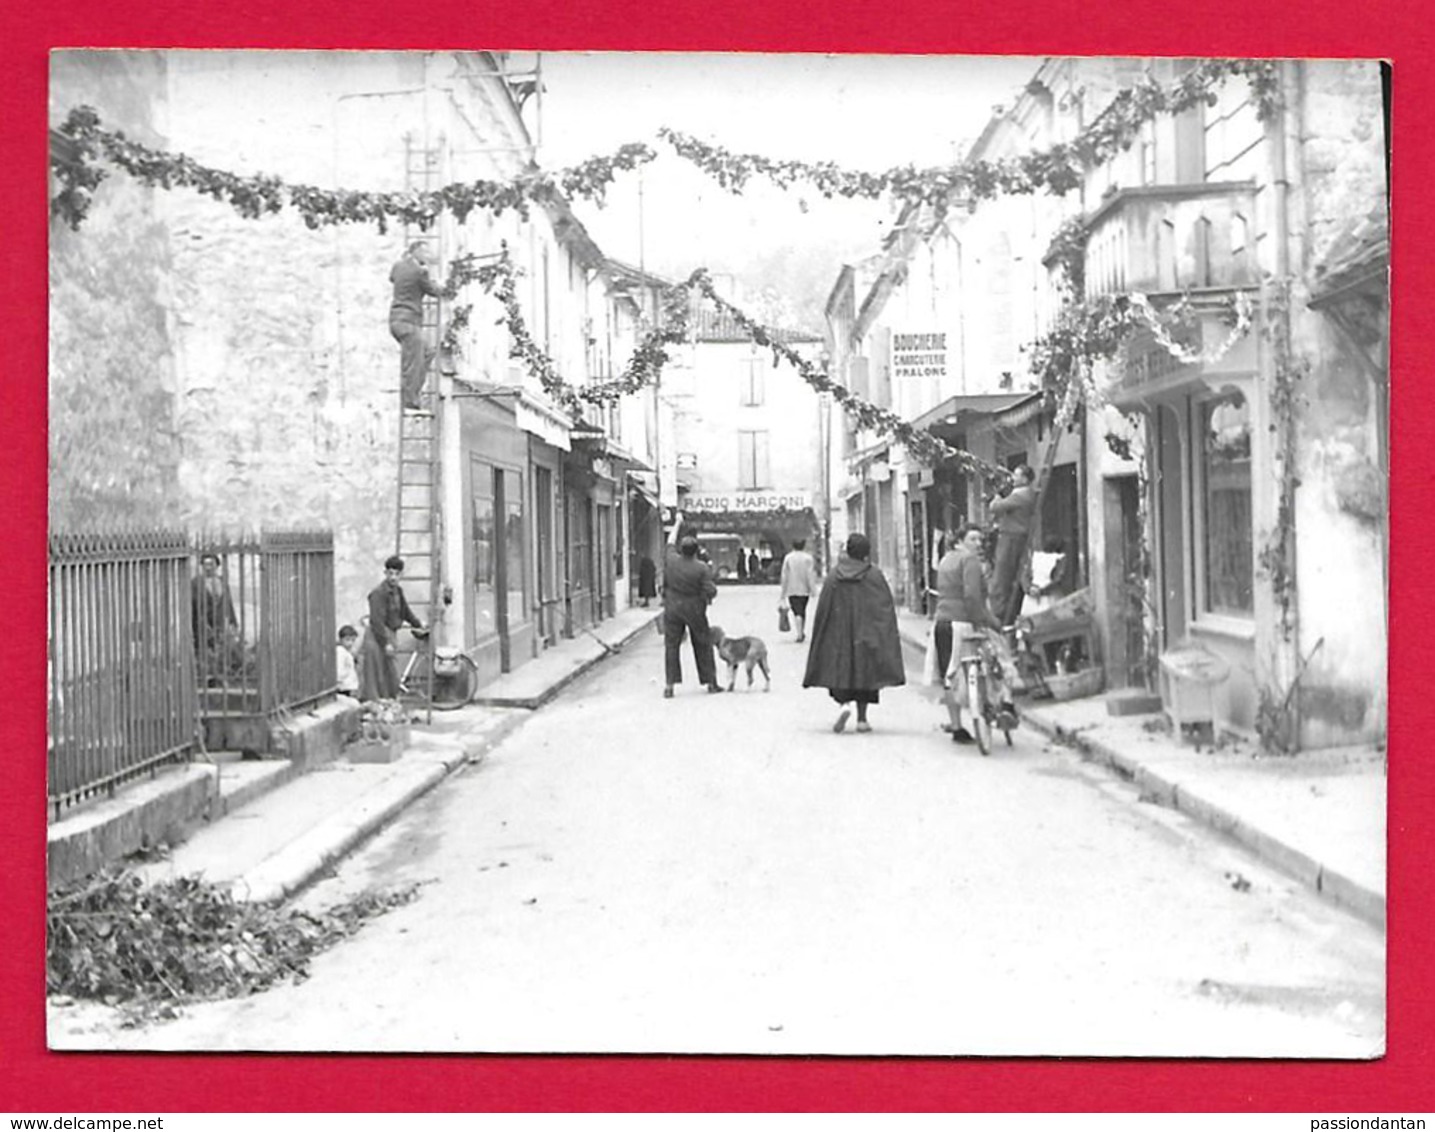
688 586
1014 514
410 277
388 611
855 649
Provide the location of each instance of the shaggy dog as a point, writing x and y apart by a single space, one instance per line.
749 652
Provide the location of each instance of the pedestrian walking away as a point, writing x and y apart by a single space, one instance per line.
411 280
798 581
388 612
1014 514
688 587
962 615
855 650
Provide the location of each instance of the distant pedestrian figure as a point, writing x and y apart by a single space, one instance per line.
855 650
388 612
688 586
410 277
647 580
754 565
798 581
741 564
1014 518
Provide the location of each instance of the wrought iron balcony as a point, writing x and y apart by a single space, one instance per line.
1173 238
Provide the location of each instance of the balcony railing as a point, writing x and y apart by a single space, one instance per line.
1173 238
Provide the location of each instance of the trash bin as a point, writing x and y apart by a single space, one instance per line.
1190 676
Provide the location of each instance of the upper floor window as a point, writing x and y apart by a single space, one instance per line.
1233 133
1146 152
753 469
752 377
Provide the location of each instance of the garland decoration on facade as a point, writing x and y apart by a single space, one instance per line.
1097 329
1241 310
1067 253
1057 169
79 174
498 277
1277 556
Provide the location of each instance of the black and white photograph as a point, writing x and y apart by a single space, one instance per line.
694 553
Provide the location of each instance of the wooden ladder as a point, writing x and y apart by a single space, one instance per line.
419 521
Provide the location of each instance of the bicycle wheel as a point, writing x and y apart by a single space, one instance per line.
454 683
977 708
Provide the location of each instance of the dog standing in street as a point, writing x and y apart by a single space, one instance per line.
750 652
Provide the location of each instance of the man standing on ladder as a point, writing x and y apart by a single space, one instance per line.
411 280
1014 514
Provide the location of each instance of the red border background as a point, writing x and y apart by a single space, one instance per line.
31 1079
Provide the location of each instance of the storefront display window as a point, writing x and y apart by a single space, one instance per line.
1225 456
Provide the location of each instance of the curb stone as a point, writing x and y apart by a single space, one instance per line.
1349 894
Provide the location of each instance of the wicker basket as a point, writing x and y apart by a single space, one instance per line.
1074 685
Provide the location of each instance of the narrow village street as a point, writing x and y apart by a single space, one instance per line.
723 874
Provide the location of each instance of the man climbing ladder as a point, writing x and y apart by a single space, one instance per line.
411 280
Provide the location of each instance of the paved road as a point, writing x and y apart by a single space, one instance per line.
724 874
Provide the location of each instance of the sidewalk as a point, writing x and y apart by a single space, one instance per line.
275 831
1319 816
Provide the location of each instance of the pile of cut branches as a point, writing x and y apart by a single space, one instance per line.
149 948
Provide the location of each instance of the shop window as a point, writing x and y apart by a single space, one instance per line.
1225 497
485 611
514 545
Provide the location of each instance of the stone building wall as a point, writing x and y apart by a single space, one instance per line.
1342 499
114 439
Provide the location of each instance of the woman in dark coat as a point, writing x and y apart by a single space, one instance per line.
855 650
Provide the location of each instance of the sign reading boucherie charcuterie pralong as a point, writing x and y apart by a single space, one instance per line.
919 355
748 501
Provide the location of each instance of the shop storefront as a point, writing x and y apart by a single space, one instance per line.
747 534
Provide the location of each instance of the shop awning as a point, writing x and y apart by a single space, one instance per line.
543 421
950 413
600 443
1021 412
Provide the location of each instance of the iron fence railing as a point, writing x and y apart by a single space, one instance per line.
122 679
157 641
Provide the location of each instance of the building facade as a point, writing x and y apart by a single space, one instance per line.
262 350
746 445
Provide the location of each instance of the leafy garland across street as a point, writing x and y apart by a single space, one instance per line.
1057 169
499 278
928 448
1084 332
261 195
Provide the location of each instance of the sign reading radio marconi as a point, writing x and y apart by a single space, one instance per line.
748 501
919 355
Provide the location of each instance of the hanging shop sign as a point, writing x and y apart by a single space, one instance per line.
919 354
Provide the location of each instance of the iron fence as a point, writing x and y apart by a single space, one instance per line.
159 644
121 678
